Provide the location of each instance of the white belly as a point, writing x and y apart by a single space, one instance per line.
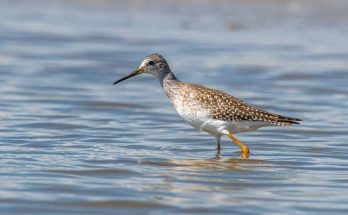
219 127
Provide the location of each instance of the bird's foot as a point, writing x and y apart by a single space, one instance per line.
245 155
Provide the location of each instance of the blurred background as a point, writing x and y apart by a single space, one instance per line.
71 142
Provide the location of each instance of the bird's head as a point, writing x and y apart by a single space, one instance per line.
154 64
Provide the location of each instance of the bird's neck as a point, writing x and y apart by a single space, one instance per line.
165 77
168 78
168 82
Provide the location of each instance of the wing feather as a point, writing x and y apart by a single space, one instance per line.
229 108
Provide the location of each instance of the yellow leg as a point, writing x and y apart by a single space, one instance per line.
245 149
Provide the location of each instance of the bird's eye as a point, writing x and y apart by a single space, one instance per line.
151 63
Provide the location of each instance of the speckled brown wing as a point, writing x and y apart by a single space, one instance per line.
228 108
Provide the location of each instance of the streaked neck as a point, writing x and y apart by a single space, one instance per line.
169 84
166 78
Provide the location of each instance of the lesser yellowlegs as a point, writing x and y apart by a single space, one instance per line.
209 110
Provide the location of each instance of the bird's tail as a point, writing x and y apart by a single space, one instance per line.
285 121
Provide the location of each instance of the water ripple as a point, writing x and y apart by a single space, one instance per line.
73 143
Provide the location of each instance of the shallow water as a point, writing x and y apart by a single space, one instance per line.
73 143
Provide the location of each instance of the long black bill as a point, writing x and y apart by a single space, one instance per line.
134 73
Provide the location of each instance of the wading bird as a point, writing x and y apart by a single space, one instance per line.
209 110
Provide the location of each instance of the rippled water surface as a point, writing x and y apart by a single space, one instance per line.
71 142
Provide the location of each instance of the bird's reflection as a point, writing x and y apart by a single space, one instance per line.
191 174
213 163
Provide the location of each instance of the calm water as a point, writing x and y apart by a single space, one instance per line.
73 143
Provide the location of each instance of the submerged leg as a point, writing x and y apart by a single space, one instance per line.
218 147
245 149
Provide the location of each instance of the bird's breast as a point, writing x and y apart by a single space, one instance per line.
196 114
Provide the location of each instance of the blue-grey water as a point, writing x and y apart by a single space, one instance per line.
72 143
